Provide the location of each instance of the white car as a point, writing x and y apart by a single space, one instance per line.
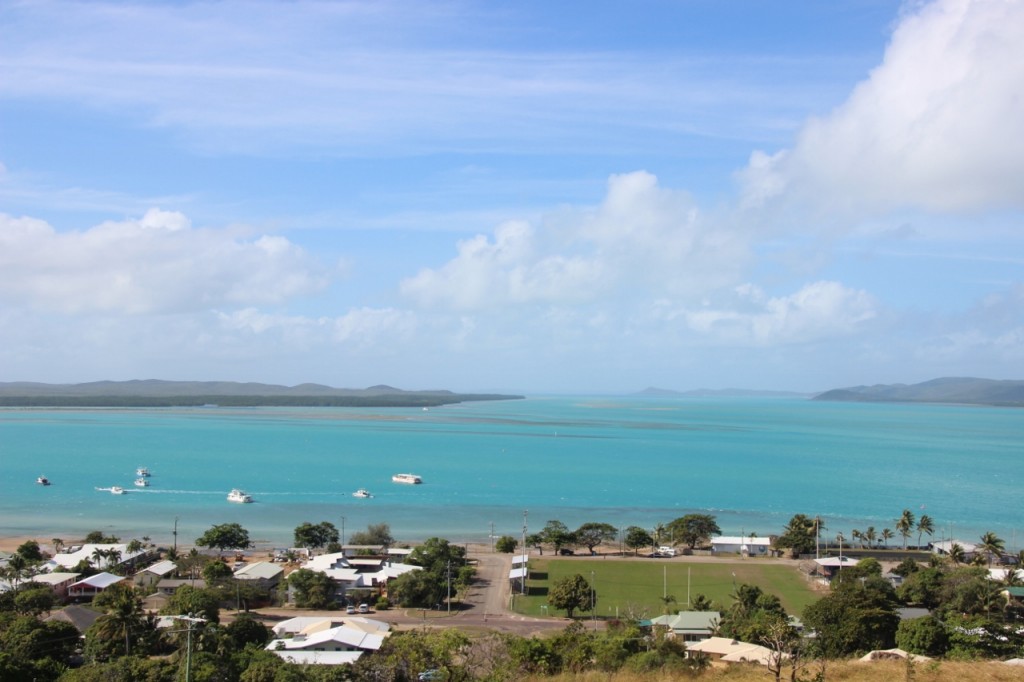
666 551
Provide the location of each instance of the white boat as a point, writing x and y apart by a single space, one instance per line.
141 482
362 492
116 490
43 480
237 495
142 472
407 478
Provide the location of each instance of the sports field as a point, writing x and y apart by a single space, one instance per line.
636 588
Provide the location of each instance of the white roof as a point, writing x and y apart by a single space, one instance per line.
261 570
834 561
52 578
300 623
320 657
732 650
738 540
337 567
161 568
943 546
72 559
518 573
99 581
516 560
354 638
309 624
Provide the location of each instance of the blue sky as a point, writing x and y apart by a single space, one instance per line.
529 196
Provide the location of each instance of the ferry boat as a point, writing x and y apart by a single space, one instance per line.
43 480
141 482
362 492
407 478
142 472
241 496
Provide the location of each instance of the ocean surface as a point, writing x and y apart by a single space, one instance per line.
752 463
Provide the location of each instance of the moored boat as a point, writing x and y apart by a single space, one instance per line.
142 472
43 480
141 482
240 496
407 478
362 492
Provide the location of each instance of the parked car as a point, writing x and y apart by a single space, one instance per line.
350 609
566 552
666 551
364 608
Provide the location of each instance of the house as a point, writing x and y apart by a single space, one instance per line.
169 586
689 626
82 617
59 582
828 567
942 548
329 641
733 651
87 588
357 573
151 575
99 556
263 574
746 545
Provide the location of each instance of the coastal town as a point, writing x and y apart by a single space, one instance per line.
567 601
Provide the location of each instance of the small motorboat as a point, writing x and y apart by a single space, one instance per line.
43 480
116 490
141 482
362 492
407 478
241 496
142 472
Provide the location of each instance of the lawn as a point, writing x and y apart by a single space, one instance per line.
636 588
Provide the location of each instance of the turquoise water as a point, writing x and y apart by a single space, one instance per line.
751 462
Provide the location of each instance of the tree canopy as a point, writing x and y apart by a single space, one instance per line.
694 529
225 536
315 535
572 593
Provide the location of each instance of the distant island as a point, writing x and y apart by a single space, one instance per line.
961 390
157 393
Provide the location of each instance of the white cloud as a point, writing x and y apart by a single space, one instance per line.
156 264
938 125
641 238
820 310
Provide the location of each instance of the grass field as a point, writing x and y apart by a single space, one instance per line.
635 588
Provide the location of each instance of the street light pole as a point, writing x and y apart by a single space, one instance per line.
175 535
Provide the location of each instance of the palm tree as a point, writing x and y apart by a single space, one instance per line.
99 555
887 535
956 554
123 615
16 570
904 525
924 525
871 536
993 545
58 545
857 535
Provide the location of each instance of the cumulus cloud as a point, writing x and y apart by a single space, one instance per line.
936 126
156 264
642 236
820 310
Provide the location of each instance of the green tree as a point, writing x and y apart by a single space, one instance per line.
225 536
637 537
29 550
315 535
753 615
887 535
418 589
992 545
34 600
217 572
247 630
924 636
200 602
572 593
858 614
375 535
557 534
800 535
694 529
312 589
123 629
905 525
592 534
925 526
506 544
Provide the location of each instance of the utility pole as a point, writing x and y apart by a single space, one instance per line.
343 536
526 570
449 587
492 537
175 535
191 620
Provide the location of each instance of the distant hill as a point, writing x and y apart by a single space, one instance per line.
157 393
964 390
719 392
